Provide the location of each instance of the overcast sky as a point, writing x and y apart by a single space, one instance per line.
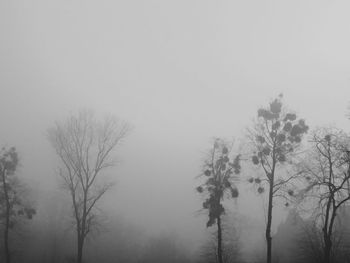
179 71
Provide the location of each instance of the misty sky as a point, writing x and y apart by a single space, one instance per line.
179 71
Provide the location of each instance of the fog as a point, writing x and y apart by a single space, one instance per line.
180 73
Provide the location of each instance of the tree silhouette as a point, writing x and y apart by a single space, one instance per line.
327 175
275 138
231 246
84 146
219 170
12 205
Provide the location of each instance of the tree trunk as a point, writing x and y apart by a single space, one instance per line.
328 238
82 230
219 240
6 236
7 219
268 226
327 252
80 248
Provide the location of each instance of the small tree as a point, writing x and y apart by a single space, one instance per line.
219 169
275 138
327 174
12 205
84 146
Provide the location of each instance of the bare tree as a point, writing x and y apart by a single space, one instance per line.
327 173
274 139
220 171
84 146
12 205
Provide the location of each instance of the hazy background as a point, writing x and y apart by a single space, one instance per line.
180 72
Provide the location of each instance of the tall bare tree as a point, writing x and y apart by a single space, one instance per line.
327 174
84 146
220 171
274 139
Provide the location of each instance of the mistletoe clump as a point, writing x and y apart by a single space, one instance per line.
220 171
277 135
